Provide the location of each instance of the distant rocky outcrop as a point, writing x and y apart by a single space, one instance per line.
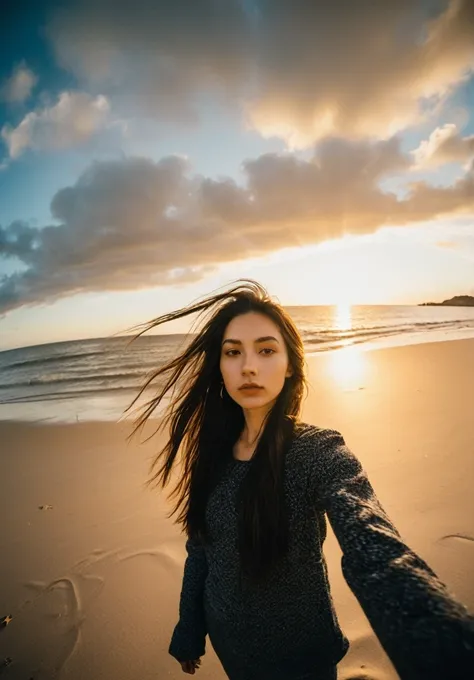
456 301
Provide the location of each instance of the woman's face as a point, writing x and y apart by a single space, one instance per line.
250 360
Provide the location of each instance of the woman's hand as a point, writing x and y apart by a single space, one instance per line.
190 666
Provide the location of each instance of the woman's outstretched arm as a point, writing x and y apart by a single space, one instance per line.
189 636
425 631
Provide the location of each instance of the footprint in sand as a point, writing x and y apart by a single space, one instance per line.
459 537
43 633
461 545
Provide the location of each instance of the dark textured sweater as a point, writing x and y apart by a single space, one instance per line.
288 627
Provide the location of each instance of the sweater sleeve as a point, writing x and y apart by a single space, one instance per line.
424 630
188 641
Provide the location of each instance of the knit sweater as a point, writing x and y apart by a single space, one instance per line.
288 627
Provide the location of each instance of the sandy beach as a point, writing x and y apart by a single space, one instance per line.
92 580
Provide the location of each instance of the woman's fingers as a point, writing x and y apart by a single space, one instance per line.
190 666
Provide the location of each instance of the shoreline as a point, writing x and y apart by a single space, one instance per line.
109 407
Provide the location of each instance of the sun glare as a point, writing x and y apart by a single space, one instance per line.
343 317
348 367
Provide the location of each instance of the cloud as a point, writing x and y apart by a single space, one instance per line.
302 70
72 120
445 145
425 201
134 223
18 88
463 245
153 55
446 245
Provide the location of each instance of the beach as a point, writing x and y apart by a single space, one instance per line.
92 579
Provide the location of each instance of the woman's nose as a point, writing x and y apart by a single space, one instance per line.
248 367
249 363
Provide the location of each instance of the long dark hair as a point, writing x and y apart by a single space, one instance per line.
207 426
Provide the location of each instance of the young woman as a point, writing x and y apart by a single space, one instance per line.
256 484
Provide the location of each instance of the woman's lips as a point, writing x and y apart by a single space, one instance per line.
250 389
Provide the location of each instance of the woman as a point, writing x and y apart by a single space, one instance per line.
256 484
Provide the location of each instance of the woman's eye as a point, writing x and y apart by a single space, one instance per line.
265 349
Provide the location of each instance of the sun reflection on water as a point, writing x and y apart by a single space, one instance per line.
343 317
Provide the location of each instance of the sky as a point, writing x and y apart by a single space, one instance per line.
154 152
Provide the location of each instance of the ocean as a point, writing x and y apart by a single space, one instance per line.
97 378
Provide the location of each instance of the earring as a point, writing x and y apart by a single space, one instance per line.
222 386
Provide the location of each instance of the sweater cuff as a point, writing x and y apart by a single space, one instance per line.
186 644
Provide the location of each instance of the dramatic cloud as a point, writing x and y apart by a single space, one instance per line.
444 145
135 223
17 88
426 202
154 57
72 120
299 69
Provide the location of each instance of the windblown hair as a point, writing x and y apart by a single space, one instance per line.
207 426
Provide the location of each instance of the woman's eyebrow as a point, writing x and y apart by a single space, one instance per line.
264 338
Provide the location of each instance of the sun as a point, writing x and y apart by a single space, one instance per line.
344 301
